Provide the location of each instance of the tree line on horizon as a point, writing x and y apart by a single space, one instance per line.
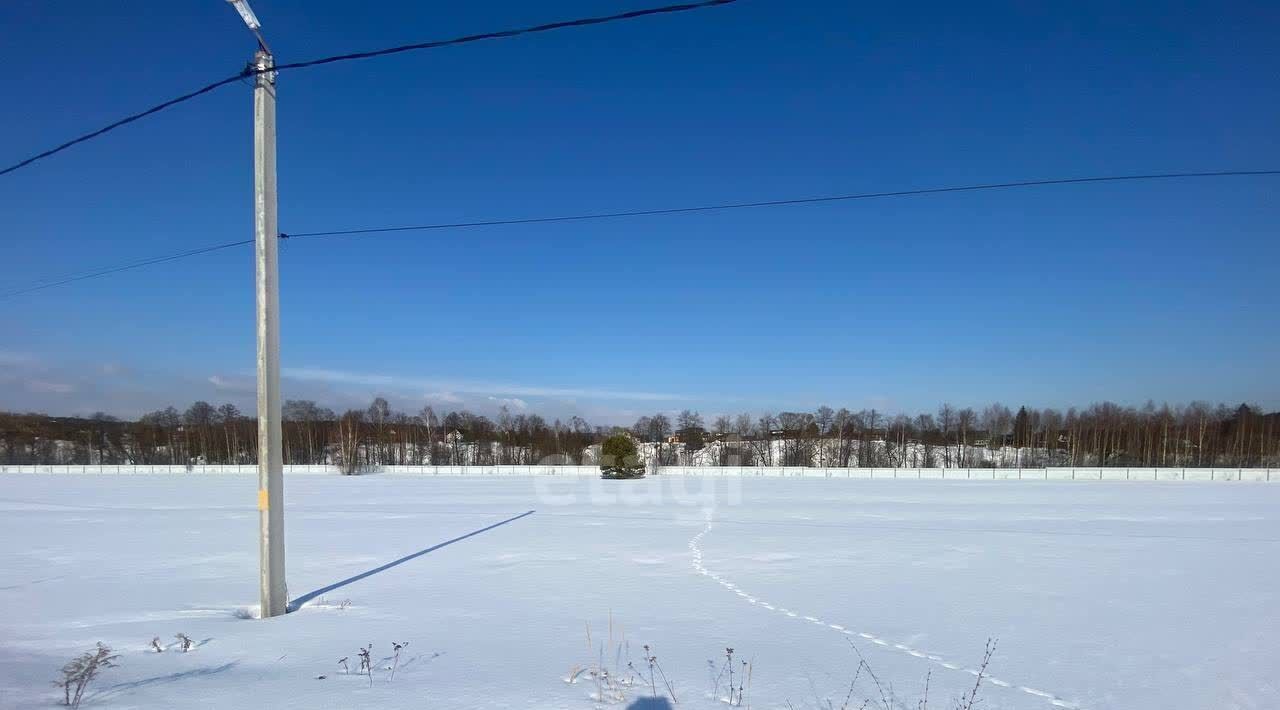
1104 434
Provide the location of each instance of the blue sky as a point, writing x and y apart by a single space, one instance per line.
1049 297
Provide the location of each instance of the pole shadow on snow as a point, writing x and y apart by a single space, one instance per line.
300 601
154 680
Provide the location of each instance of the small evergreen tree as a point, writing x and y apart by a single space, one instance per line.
618 457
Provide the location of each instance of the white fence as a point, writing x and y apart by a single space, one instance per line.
971 474
988 474
145 469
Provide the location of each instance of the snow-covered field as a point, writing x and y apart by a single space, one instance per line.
1121 595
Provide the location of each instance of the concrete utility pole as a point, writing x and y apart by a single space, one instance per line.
266 237
274 593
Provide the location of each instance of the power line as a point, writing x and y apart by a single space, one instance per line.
780 203
467 39
583 22
643 213
124 267
122 122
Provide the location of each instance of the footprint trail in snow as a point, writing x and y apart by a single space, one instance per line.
695 546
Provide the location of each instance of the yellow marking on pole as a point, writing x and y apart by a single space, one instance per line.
262 499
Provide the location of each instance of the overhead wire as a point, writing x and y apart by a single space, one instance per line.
778 203
38 286
249 71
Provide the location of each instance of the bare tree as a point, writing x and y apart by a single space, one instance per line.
996 420
80 671
799 432
824 416
946 420
927 428
427 417
659 430
965 419
349 441
642 430
762 439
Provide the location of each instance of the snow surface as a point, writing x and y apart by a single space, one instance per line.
1102 595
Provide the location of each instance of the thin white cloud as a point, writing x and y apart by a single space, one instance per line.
485 388
447 397
47 387
13 359
225 384
112 368
509 402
